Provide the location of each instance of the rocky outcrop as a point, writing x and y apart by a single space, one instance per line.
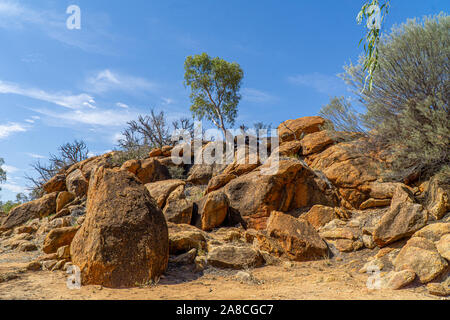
258 193
319 215
59 237
396 280
55 184
374 203
156 152
321 199
245 161
152 170
403 218
297 237
421 256
316 142
77 183
161 190
200 174
179 211
183 237
39 208
290 148
63 199
344 239
124 239
437 198
234 257
212 210
219 181
434 232
296 129
443 247
346 171
148 170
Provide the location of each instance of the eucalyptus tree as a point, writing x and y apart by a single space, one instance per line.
215 85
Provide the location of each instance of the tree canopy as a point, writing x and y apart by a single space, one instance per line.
215 85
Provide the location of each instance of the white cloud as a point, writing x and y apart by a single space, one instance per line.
122 105
13 188
116 137
322 83
66 100
9 8
35 156
167 101
100 117
254 95
10 169
106 80
7 129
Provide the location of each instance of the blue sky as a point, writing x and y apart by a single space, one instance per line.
57 85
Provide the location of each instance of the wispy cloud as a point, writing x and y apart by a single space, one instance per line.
10 169
12 187
122 105
322 83
15 15
35 156
107 80
9 8
8 129
33 119
97 117
66 100
167 101
258 96
78 108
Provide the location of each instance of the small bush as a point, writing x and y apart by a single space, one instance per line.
406 116
120 157
176 172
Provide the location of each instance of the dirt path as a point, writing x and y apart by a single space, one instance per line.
330 279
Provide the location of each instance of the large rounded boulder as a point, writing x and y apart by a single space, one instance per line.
124 239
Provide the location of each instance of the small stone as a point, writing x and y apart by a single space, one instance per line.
398 280
438 289
59 265
383 252
27 247
443 246
200 263
185 258
244 276
25 229
368 241
372 265
63 252
49 264
34 266
421 256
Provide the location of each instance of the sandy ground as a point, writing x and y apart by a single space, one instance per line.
326 279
